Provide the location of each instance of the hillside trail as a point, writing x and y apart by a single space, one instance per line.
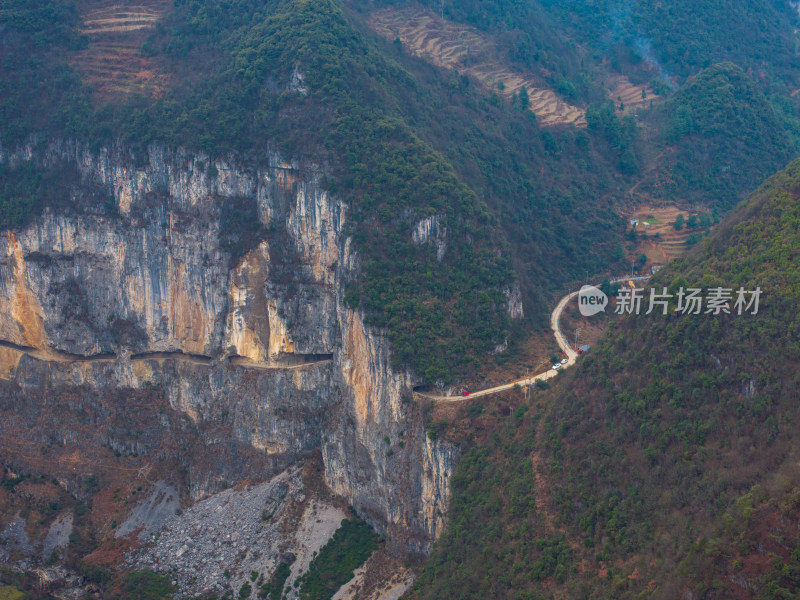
56 356
563 344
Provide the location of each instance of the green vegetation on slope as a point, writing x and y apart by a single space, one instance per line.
529 38
392 178
551 191
402 143
619 133
727 135
11 593
754 134
495 545
36 36
145 585
25 189
679 417
348 549
389 176
686 36
637 38
669 456
273 589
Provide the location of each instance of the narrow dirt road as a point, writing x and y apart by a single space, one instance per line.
562 342
56 356
571 355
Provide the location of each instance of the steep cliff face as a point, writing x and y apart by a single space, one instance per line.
222 286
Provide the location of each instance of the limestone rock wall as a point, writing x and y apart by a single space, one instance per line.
239 322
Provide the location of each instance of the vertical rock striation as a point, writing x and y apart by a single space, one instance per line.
223 286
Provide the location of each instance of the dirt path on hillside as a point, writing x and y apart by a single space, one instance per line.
561 340
56 356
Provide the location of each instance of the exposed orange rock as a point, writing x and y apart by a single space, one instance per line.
9 360
24 321
279 340
249 327
357 372
187 314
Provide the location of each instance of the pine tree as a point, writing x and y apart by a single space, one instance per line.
524 99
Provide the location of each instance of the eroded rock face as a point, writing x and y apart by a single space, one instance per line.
236 318
430 230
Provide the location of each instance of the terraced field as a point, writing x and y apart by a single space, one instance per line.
673 243
462 48
118 18
113 63
630 95
670 243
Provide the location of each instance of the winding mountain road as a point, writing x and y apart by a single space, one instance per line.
571 355
562 342
555 317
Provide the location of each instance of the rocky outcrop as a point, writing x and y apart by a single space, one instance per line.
514 300
222 286
431 231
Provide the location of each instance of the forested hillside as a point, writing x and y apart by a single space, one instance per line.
531 39
666 463
725 135
678 39
726 73
666 41
401 142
